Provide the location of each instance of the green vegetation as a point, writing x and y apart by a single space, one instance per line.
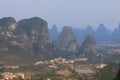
88 47
118 75
107 73
89 39
17 56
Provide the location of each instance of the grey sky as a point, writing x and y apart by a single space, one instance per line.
77 13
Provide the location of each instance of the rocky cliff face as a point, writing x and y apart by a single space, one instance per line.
29 34
88 47
37 32
7 27
66 41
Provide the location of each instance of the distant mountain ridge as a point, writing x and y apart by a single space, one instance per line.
116 34
54 33
101 34
31 40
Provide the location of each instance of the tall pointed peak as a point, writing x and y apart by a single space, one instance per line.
89 39
101 27
66 28
66 41
54 28
88 47
89 27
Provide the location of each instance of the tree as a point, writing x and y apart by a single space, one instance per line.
118 76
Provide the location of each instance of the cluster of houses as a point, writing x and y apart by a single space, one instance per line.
61 61
82 69
16 76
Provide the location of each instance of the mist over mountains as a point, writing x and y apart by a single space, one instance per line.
101 34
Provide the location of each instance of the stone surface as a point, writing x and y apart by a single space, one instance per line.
29 34
66 41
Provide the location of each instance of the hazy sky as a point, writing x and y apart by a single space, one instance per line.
76 13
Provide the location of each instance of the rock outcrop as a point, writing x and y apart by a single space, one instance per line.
7 27
37 32
88 47
66 41
29 34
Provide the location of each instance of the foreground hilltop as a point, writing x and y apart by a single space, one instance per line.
36 30
29 34
25 37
